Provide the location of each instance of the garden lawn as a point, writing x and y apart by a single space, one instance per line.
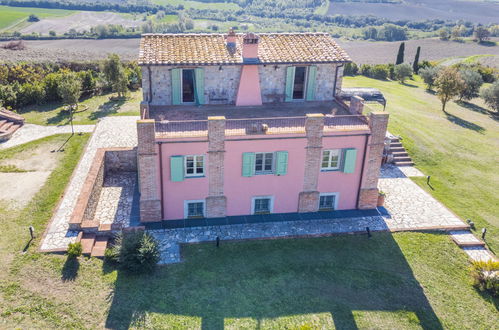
459 149
90 110
12 15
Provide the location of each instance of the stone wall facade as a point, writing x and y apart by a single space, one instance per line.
121 160
221 83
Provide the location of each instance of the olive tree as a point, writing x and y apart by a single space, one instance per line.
472 83
429 75
490 96
449 84
403 71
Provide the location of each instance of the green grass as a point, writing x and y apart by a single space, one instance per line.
458 149
200 5
14 15
90 110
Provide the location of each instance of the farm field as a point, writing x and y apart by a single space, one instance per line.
458 149
477 11
199 5
360 51
80 21
10 16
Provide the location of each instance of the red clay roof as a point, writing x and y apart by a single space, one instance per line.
212 49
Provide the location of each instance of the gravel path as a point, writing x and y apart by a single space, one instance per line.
31 132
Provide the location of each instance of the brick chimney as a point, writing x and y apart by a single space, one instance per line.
250 48
231 38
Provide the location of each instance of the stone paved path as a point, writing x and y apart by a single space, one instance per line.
31 132
116 198
109 132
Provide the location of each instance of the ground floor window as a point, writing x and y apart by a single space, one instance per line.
262 205
327 202
194 209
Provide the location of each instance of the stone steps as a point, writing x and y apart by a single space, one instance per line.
465 238
10 122
400 155
93 245
404 163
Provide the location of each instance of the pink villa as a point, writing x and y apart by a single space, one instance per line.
240 124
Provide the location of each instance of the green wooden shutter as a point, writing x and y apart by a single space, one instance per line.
176 86
312 76
177 168
349 159
248 164
199 85
281 162
290 80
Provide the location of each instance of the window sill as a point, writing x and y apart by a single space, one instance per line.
196 217
195 176
330 170
264 173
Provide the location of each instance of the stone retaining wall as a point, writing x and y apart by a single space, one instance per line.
105 161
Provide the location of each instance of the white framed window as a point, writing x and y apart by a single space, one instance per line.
264 162
194 165
328 201
194 209
331 160
262 204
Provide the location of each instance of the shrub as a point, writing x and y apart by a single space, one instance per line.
365 70
75 250
136 252
485 276
429 74
8 96
380 71
402 72
31 94
33 18
350 69
491 96
472 81
51 81
88 82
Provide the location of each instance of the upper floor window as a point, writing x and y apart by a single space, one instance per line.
264 162
194 165
188 86
331 160
299 83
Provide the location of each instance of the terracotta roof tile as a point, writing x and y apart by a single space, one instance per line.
211 49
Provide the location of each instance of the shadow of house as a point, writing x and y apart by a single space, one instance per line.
464 123
267 280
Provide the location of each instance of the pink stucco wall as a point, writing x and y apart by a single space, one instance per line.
240 190
249 92
175 193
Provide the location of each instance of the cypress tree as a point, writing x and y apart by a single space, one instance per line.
400 55
415 65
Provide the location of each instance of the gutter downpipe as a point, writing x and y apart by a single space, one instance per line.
160 147
362 169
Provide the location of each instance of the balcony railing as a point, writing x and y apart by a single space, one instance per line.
258 126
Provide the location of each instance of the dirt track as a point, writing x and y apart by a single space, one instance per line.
360 51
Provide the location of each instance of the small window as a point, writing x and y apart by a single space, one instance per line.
194 166
194 209
264 162
188 85
262 205
327 202
331 160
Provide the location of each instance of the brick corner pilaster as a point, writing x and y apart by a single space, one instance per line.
308 201
216 206
368 199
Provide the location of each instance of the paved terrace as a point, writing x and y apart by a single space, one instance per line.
287 118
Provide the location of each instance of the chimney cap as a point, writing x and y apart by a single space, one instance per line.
231 33
250 38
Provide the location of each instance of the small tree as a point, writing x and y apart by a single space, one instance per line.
402 72
449 84
472 83
69 89
415 65
52 33
429 75
443 34
115 75
491 96
33 18
400 54
481 34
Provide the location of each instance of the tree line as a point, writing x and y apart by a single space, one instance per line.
23 84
